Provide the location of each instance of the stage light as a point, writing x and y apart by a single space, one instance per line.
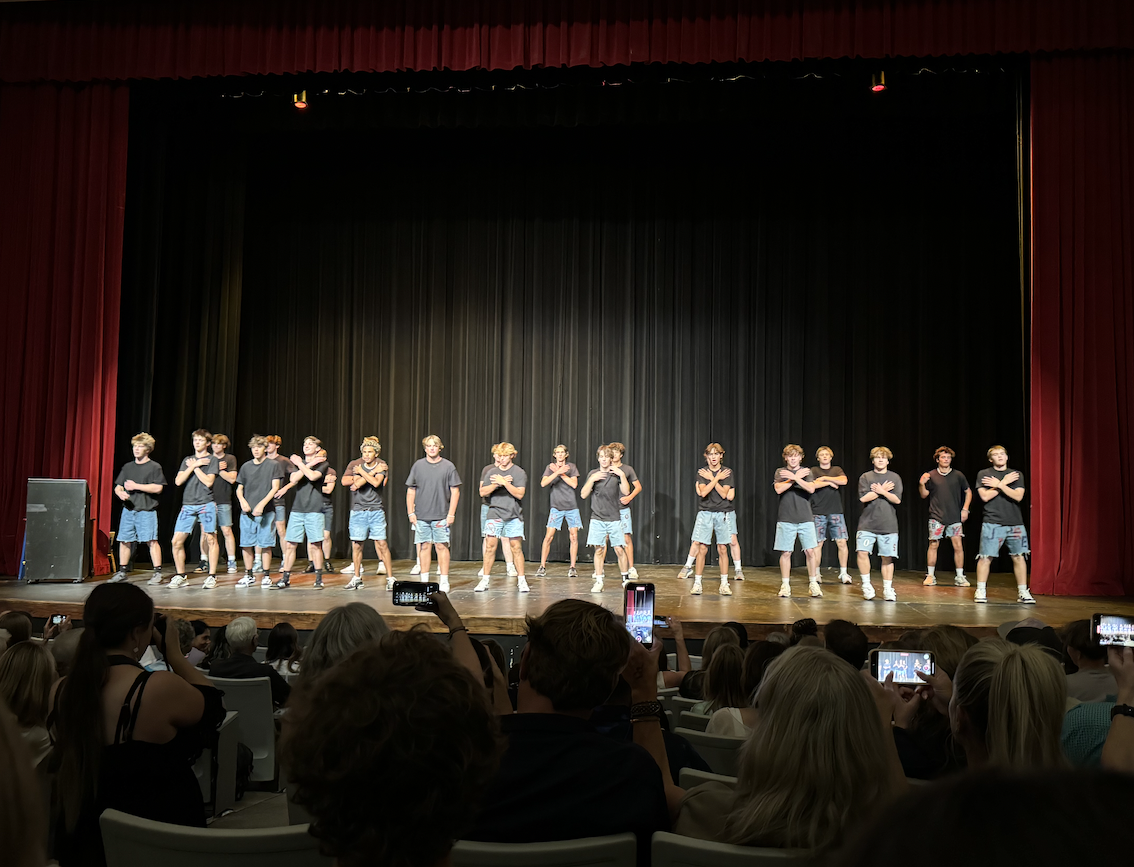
878 81
300 99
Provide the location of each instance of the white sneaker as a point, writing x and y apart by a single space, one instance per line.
633 573
696 591
867 591
961 581
390 582
1024 597
480 572
981 594
685 572
266 581
739 574
522 584
416 570
443 585
232 567
597 586
725 590
246 581
785 590
482 586
177 581
814 589
845 578
156 579
211 583
625 581
381 568
355 583
347 570
889 595
512 573
930 581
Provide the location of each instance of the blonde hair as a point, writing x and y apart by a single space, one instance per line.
433 438
724 678
27 671
881 450
341 631
988 454
714 447
504 449
826 449
1015 699
718 637
817 763
143 439
558 447
604 450
224 441
370 442
792 449
258 440
313 439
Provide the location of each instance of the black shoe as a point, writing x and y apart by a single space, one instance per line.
318 585
310 568
285 581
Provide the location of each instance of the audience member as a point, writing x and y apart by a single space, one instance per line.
948 643
218 650
243 639
738 721
1118 753
668 679
125 738
497 653
152 659
819 762
847 642
559 779
27 672
723 681
741 633
23 824
341 631
63 650
18 626
284 651
801 629
1091 680
390 752
693 682
202 641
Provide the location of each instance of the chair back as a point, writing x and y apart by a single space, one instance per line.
251 698
694 661
673 850
260 654
131 841
696 721
617 850
677 704
719 751
691 777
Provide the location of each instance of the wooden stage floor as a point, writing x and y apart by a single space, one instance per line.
501 609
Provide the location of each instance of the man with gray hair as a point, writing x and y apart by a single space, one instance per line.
243 637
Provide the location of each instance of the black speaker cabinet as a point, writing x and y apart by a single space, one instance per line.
58 538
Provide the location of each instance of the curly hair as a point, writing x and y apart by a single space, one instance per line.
390 752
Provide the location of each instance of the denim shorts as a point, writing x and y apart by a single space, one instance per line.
206 513
571 516
501 529
307 525
992 536
711 522
370 523
600 531
257 532
887 543
280 508
937 530
328 516
137 526
730 523
626 520
483 519
830 526
786 534
432 531
224 514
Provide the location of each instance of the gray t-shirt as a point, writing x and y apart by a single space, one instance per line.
501 504
605 497
197 492
327 476
827 500
795 502
713 501
367 498
432 482
287 468
149 473
879 515
490 468
309 492
631 478
222 488
1001 509
562 494
257 480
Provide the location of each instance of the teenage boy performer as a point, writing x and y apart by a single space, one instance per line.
306 519
222 496
433 489
827 507
256 486
949 498
505 486
279 507
509 564
609 485
618 450
716 492
328 508
365 477
198 474
794 520
1002 488
879 490
562 477
138 485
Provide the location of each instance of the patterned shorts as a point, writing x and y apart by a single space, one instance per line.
830 526
937 530
992 536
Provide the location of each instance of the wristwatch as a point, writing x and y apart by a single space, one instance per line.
645 710
1122 710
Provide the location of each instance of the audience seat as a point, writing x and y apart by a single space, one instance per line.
618 850
251 698
694 661
219 790
260 654
673 850
677 704
691 777
696 721
720 752
133 842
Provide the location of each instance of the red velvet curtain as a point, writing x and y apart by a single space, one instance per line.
63 149
1083 324
119 40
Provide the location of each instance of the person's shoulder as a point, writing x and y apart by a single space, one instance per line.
350 466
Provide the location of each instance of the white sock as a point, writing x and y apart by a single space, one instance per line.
625 576
689 562
736 563
443 578
696 577
843 571
1022 588
931 568
960 573
887 583
424 576
981 585
866 578
814 579
724 577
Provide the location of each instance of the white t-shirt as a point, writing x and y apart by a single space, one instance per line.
727 722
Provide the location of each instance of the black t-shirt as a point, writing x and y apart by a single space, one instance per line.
827 500
222 488
287 468
309 492
149 473
257 480
367 498
713 501
795 502
197 493
501 504
879 515
562 494
1001 509
606 497
327 476
946 495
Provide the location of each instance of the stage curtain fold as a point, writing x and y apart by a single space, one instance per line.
63 149
1082 364
88 41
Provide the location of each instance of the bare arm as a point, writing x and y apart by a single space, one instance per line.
411 498
207 479
868 497
329 485
454 498
183 475
1118 751
263 504
782 487
634 490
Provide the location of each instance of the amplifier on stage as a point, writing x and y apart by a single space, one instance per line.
58 535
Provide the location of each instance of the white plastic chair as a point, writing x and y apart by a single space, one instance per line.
255 727
719 751
694 661
130 841
617 850
677 704
696 721
220 791
673 850
691 777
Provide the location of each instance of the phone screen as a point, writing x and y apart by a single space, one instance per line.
57 619
1113 630
414 592
905 665
639 611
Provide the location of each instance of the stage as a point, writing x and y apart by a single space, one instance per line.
501 609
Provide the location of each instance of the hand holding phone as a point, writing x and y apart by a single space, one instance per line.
901 666
1113 630
415 594
638 611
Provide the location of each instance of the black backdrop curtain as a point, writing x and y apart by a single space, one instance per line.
665 265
